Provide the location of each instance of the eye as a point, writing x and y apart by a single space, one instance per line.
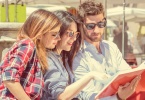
55 34
90 26
101 24
71 34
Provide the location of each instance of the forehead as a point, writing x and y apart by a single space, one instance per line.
94 18
56 29
73 27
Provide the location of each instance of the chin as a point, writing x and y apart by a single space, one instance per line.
67 49
52 47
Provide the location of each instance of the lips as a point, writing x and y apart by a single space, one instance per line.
95 35
70 44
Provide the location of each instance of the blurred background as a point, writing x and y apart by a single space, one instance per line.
125 23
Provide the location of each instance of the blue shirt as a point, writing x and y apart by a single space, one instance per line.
56 78
110 61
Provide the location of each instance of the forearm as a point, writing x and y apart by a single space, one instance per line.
16 89
73 89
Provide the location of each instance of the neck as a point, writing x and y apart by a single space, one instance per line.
58 50
96 44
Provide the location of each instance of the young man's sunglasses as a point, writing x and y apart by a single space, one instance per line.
100 24
73 34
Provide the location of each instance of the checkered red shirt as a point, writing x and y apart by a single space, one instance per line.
21 65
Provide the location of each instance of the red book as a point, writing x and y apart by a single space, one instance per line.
122 78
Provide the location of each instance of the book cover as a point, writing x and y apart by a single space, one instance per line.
122 78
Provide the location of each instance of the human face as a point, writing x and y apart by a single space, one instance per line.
68 38
94 34
51 38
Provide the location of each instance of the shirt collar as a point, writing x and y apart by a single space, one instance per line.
90 47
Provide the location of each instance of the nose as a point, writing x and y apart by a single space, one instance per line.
97 29
58 38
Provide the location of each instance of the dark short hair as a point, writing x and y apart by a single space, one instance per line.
89 7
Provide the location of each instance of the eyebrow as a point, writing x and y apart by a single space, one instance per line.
72 30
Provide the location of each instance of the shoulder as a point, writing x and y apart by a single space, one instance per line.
80 55
109 44
26 42
23 44
23 47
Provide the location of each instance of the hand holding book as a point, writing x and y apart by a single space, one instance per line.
128 89
123 77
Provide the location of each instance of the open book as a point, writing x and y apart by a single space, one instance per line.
122 78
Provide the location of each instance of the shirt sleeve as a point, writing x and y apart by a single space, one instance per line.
80 69
114 97
16 60
55 82
121 63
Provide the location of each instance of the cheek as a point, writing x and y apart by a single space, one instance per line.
89 32
47 41
102 31
50 44
64 40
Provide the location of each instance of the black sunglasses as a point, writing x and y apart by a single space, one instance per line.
100 24
73 34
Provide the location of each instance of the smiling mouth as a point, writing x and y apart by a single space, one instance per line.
70 44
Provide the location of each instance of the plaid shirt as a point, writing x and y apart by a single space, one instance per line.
21 65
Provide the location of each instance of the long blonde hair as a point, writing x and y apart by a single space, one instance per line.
37 24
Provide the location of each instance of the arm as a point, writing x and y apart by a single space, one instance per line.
13 66
73 89
16 89
80 69
56 84
121 63
54 80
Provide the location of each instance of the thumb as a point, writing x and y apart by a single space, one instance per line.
120 88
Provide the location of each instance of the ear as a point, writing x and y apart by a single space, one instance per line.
39 37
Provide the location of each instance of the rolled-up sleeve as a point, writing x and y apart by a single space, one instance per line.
15 61
80 69
55 82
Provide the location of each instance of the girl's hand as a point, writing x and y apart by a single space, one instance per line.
101 77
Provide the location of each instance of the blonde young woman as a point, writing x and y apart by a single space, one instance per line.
22 69
59 78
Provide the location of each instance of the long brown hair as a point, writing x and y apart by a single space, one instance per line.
66 19
37 24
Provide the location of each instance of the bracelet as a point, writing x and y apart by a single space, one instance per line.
119 97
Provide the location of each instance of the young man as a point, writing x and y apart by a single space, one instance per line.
98 55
